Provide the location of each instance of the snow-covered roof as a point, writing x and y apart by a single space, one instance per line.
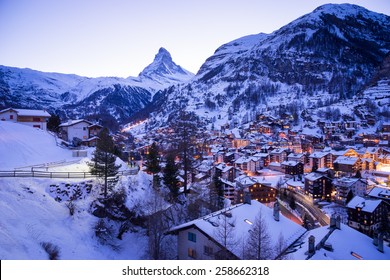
242 160
346 243
244 180
366 205
223 167
241 215
346 160
29 112
378 192
313 176
345 181
295 183
73 122
318 154
278 151
291 163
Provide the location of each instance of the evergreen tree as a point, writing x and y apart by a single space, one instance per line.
216 193
103 160
153 163
358 174
170 174
186 130
53 123
152 159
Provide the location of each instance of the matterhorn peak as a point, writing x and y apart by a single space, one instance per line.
163 54
163 68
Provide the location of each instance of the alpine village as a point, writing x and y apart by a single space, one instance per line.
278 148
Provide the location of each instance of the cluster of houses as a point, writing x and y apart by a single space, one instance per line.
327 162
72 132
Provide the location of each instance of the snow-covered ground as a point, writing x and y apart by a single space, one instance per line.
31 216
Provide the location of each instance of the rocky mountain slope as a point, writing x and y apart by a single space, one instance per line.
111 98
330 54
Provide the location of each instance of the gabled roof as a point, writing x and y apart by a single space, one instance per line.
318 154
241 215
73 122
366 205
28 112
346 160
313 176
381 193
344 241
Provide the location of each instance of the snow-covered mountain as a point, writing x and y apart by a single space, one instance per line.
331 53
75 96
162 71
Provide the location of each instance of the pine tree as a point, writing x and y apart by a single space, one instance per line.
153 163
216 193
186 130
103 160
53 123
152 159
170 174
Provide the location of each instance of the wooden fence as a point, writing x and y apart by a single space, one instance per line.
73 175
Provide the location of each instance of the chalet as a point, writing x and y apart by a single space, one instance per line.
292 167
263 159
262 190
318 186
229 189
202 239
296 185
318 160
366 215
34 118
225 172
296 157
263 128
278 155
247 164
347 165
345 185
84 130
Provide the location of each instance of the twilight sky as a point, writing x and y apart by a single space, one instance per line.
121 37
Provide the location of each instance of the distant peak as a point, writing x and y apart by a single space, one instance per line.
163 65
163 51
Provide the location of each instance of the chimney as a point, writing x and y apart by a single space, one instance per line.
338 222
247 197
380 242
312 249
375 240
332 221
276 211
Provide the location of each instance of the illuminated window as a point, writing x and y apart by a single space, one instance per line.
191 253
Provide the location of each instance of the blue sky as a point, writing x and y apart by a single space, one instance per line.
121 37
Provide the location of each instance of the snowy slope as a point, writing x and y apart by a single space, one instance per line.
30 215
22 145
323 57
